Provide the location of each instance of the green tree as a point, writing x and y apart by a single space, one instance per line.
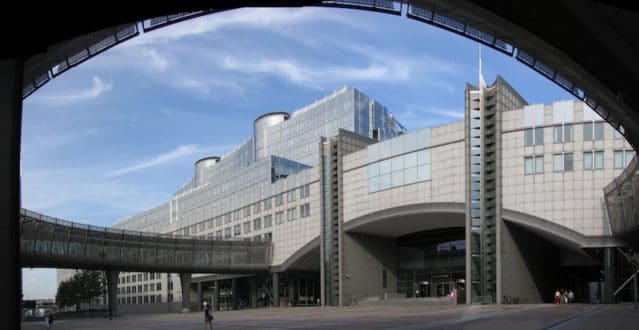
83 287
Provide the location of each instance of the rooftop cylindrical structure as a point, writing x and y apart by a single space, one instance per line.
261 123
201 166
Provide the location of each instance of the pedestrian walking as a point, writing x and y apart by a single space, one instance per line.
208 316
571 296
557 295
50 318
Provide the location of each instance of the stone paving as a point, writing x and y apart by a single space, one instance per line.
517 317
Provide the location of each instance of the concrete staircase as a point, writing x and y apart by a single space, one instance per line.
376 301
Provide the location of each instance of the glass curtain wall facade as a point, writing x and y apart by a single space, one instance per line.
251 183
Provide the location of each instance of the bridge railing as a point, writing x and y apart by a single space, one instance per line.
622 199
43 236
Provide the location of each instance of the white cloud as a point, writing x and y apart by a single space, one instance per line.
314 76
179 152
153 59
99 87
262 18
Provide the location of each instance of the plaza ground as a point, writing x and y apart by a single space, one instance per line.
520 317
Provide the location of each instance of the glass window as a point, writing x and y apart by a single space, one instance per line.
397 178
539 135
268 203
257 224
237 230
630 154
290 196
373 152
385 166
410 175
539 164
423 172
599 130
384 149
528 137
618 159
568 162
397 163
247 227
617 135
373 184
558 134
599 160
567 132
423 157
528 165
587 160
588 132
558 162
410 160
268 221
373 170
290 214
384 181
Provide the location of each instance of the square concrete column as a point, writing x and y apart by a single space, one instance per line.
11 73
185 284
276 292
216 295
253 292
609 275
112 290
234 293
291 292
200 299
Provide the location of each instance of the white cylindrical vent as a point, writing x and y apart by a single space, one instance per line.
201 166
260 139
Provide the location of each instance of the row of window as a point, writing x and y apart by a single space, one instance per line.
592 131
146 287
564 162
143 299
278 200
139 277
256 224
400 170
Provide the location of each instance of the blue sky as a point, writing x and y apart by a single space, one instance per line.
120 133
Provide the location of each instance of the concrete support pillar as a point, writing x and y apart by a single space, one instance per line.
11 73
234 295
276 291
253 292
634 290
216 295
609 275
291 292
200 298
185 284
112 290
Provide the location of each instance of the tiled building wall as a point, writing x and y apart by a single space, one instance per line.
447 183
573 199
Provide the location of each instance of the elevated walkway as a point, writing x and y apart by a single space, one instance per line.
49 242
622 201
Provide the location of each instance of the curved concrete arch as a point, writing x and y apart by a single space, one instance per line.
304 259
548 48
406 219
557 233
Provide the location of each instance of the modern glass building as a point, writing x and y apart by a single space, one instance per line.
504 206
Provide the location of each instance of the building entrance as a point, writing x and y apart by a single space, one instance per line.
431 263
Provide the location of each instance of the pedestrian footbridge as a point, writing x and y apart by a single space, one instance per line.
49 242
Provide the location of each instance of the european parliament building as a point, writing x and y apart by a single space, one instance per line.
504 206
